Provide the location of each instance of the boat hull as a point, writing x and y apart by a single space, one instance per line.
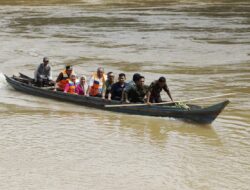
195 114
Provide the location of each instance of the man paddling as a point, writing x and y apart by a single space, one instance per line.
43 73
155 88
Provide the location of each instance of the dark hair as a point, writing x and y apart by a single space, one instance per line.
100 68
69 67
109 73
122 75
141 77
136 77
162 79
46 59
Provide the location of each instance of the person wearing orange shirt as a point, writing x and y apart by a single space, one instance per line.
64 77
70 87
96 83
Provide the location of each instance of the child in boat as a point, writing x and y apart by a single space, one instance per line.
71 85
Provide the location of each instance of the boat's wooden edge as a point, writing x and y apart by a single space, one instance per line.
199 115
11 80
218 106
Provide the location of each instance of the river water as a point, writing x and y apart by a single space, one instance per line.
203 49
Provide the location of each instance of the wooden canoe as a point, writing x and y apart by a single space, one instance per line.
195 113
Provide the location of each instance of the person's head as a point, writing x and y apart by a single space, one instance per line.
45 61
162 81
83 79
111 76
136 77
69 69
122 78
73 77
100 72
140 81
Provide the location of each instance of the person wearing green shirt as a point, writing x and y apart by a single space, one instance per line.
138 93
107 85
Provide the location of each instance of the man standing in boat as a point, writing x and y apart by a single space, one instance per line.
155 88
43 73
64 77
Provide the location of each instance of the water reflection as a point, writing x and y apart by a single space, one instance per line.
155 130
159 129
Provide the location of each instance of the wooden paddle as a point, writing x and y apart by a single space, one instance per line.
165 103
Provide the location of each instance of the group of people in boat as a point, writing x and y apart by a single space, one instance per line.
102 85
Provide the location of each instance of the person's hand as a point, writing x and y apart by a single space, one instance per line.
127 101
51 82
103 97
149 103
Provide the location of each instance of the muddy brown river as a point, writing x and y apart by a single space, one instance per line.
202 47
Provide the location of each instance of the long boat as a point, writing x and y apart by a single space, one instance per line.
193 113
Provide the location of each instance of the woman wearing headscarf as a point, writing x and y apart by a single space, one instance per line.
81 88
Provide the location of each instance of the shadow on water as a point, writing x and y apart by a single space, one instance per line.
94 20
158 130
154 130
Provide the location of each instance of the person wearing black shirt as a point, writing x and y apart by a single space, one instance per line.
155 89
118 88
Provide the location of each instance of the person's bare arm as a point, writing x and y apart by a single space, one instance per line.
59 78
148 97
104 91
126 97
166 89
87 92
109 96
